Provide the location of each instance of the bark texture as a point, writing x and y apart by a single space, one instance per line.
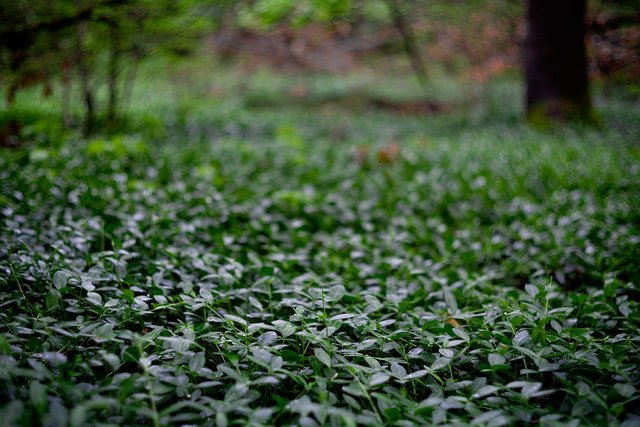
556 61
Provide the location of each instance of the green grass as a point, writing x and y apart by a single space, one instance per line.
230 262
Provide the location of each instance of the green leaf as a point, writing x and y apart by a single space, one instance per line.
624 390
337 292
521 338
121 270
197 362
417 374
267 338
462 334
60 279
322 356
38 395
440 363
5 347
78 416
398 370
104 330
496 359
38 155
236 319
94 298
131 354
378 378
485 391
254 302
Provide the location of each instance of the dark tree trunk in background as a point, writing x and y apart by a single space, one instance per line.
85 83
556 61
114 60
408 40
67 119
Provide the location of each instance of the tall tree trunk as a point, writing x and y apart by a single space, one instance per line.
556 62
85 83
114 59
408 41
67 118
129 80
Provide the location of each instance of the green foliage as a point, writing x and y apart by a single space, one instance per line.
257 266
100 42
545 115
263 14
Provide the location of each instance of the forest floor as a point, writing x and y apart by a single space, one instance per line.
283 249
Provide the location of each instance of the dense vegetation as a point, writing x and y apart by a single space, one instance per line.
243 260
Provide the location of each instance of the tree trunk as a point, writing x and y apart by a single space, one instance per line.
67 118
556 62
129 80
85 83
408 41
114 60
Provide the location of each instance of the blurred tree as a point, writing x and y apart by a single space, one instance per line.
408 40
556 62
97 40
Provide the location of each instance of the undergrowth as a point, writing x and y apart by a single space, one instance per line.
235 265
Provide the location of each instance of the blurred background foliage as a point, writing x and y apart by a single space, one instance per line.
88 52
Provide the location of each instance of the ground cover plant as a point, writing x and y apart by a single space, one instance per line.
232 262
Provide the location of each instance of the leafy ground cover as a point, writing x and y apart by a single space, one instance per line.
231 264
